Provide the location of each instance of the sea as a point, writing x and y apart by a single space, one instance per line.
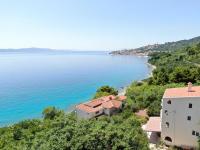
30 82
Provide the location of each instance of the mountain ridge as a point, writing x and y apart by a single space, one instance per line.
45 50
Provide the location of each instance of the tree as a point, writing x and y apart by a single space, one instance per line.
17 133
190 50
121 131
160 76
105 91
50 113
198 47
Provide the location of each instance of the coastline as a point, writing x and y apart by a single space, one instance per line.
122 91
152 68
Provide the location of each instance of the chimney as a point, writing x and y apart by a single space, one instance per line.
189 87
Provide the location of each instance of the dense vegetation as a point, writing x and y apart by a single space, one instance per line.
179 66
63 131
57 130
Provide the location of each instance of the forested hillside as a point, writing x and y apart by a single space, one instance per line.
177 66
168 46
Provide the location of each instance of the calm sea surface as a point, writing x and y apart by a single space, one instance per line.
31 82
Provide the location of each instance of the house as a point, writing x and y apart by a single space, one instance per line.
107 105
180 116
179 121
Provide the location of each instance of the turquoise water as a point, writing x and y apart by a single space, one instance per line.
31 82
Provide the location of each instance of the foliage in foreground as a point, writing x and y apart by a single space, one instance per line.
64 131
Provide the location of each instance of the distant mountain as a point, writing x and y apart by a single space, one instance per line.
168 46
32 50
48 50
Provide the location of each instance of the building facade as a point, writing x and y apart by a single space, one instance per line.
180 116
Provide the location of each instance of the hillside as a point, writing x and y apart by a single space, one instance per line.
168 46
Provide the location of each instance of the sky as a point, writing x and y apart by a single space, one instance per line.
96 24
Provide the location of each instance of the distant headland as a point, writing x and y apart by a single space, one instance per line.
149 49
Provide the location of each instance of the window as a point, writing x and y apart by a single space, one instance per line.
166 112
189 118
168 139
190 105
97 112
197 133
193 132
167 124
169 102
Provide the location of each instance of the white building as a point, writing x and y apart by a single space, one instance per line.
180 116
107 105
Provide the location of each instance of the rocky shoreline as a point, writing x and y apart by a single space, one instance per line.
152 68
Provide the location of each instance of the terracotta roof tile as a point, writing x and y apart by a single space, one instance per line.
88 109
182 92
94 102
107 104
121 98
108 98
100 103
112 104
117 104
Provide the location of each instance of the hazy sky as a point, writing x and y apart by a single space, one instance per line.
96 24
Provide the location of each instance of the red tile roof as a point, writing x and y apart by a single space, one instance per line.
110 101
121 98
112 104
182 92
116 103
94 102
99 101
153 125
108 98
107 104
88 109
